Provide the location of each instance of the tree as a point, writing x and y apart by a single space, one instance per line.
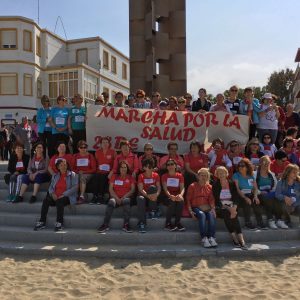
258 92
277 84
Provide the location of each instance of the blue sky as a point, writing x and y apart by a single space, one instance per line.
228 41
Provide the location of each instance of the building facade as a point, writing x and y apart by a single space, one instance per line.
35 61
157 31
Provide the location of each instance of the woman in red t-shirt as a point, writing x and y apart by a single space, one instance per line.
61 154
83 164
121 189
173 187
148 154
235 153
149 190
193 162
105 159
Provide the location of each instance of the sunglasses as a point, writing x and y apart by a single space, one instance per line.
254 144
181 102
267 137
83 147
148 149
140 96
233 90
188 97
170 164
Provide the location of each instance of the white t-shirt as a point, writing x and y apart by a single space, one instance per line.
269 120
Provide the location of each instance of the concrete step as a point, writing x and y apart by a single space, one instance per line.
115 237
258 250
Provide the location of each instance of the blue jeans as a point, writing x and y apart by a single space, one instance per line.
207 229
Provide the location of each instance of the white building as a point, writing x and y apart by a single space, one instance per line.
35 61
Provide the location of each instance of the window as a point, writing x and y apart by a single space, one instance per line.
39 88
114 64
9 38
82 56
27 85
64 83
124 71
38 46
113 93
90 86
27 40
105 60
9 84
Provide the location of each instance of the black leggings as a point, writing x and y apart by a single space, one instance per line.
272 206
175 208
232 225
257 209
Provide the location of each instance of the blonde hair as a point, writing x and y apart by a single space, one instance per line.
220 169
206 172
288 170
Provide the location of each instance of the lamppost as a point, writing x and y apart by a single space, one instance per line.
288 85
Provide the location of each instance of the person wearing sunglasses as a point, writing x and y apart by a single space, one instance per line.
266 184
279 163
141 101
288 146
119 100
188 100
77 122
84 164
181 104
201 205
172 149
248 192
226 198
105 157
121 190
149 189
235 152
44 127
173 188
288 191
148 154
155 100
267 147
253 153
59 123
232 102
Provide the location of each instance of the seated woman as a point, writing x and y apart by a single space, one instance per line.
218 157
201 205
84 164
266 147
36 173
279 164
121 190
148 154
62 191
105 157
129 157
235 153
149 189
288 147
226 197
172 149
173 187
17 166
248 192
266 184
61 149
288 191
253 153
193 162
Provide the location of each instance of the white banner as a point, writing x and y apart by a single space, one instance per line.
159 127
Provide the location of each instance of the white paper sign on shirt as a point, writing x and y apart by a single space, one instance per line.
79 119
225 194
148 180
119 182
36 164
236 160
173 182
82 162
19 165
59 121
104 167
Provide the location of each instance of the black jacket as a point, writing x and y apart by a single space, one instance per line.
216 188
13 161
196 106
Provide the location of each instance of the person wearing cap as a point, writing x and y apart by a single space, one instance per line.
59 122
155 100
141 101
149 189
77 121
232 102
83 164
44 127
119 100
268 118
129 157
163 105
201 104
220 105
250 107
62 192
279 163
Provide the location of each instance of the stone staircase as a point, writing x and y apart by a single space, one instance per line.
80 237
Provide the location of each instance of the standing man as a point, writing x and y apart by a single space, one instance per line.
77 122
22 132
201 104
232 102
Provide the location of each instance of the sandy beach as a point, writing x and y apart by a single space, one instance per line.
215 278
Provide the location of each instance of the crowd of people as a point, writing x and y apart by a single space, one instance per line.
220 181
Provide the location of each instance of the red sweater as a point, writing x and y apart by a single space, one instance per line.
199 195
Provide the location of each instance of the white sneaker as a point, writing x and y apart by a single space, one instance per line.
206 243
212 241
282 225
272 224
